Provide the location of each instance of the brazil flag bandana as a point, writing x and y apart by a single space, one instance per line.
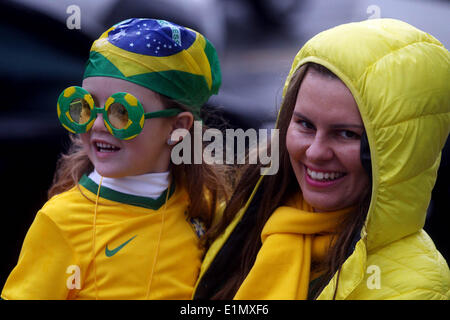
172 60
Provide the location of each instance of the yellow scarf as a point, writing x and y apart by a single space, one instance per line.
292 238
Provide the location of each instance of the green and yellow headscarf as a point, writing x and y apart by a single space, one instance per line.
172 60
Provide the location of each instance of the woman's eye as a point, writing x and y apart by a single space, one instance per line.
305 124
349 134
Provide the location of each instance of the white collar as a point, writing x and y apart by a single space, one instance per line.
150 185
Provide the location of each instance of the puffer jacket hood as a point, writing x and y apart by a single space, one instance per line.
399 77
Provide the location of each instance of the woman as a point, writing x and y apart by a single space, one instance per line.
364 117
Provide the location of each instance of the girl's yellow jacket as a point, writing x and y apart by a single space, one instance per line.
400 79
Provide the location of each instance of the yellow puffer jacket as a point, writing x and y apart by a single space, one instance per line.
400 79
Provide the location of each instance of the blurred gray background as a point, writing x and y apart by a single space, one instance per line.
256 39
41 54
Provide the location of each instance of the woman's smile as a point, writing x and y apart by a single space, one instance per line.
323 178
323 141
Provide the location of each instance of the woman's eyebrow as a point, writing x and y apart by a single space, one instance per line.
299 115
346 125
333 126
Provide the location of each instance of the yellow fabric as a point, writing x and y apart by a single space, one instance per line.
292 239
145 268
217 244
400 79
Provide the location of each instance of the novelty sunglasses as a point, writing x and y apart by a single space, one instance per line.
123 114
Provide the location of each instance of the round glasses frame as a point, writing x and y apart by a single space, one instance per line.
123 114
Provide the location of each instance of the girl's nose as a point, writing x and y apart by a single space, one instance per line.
319 150
99 124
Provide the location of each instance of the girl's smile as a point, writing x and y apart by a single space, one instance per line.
104 149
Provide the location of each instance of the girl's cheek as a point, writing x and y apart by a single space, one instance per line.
85 139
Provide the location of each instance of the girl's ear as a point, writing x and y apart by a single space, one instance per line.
183 120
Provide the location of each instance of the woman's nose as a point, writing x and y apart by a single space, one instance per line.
319 150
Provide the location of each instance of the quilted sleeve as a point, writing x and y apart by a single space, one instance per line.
408 269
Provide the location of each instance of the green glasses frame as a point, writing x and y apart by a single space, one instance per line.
123 114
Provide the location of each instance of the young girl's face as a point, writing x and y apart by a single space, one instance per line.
115 158
323 141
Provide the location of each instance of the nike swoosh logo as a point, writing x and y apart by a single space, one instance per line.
110 253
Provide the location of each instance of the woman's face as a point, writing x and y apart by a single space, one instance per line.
115 158
323 142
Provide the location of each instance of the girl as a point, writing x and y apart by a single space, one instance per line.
122 222
364 117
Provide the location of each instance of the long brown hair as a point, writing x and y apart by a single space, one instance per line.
206 184
274 191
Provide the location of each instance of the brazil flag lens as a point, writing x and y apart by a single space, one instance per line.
79 111
118 115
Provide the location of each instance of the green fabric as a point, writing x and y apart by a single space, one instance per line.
113 195
215 66
163 82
